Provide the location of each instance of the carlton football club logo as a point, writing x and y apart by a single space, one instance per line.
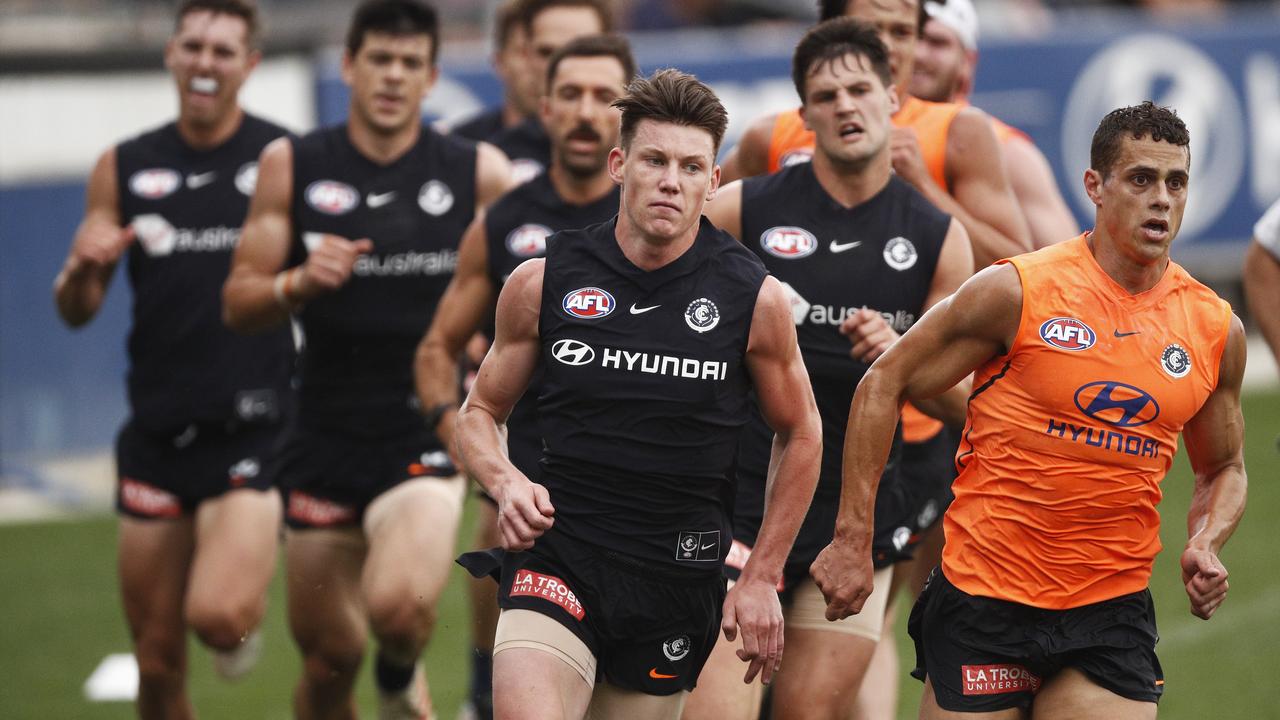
155 183
589 303
435 198
676 648
900 254
247 178
528 240
702 315
332 197
788 243
1175 361
1066 333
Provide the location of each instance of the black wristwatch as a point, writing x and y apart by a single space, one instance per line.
432 415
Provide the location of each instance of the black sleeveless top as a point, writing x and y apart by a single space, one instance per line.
833 260
516 229
645 392
357 363
187 206
528 147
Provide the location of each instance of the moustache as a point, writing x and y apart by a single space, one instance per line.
583 132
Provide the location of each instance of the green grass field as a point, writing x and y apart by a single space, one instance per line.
60 615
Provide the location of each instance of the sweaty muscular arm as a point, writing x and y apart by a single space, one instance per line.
1043 207
871 335
524 507
1262 288
1215 446
725 210
980 195
461 311
82 284
786 401
493 174
956 336
751 155
258 295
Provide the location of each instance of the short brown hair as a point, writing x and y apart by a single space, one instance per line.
833 39
243 9
529 10
1135 121
828 9
614 46
505 21
674 97
394 17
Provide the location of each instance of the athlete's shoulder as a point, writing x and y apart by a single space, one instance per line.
537 191
320 139
577 241
724 251
915 203
794 179
263 129
1197 291
481 126
161 138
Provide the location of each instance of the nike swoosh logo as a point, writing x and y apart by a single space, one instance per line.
839 247
706 547
195 182
377 201
640 311
1126 334
653 673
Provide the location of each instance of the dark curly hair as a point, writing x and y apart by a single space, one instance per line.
831 40
1135 121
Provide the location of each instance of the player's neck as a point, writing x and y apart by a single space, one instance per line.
207 137
852 185
578 190
511 115
1132 275
382 148
650 253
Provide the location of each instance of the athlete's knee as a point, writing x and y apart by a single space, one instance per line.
222 627
161 658
400 617
330 663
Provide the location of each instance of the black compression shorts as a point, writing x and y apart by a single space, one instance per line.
169 475
650 626
984 655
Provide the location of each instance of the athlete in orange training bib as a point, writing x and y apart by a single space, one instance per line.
1090 358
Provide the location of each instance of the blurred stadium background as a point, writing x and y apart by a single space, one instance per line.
79 75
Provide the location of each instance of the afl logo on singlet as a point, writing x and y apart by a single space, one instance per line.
528 240
788 243
1067 333
590 303
155 183
332 197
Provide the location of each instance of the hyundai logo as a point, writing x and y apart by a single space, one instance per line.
1117 404
572 352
